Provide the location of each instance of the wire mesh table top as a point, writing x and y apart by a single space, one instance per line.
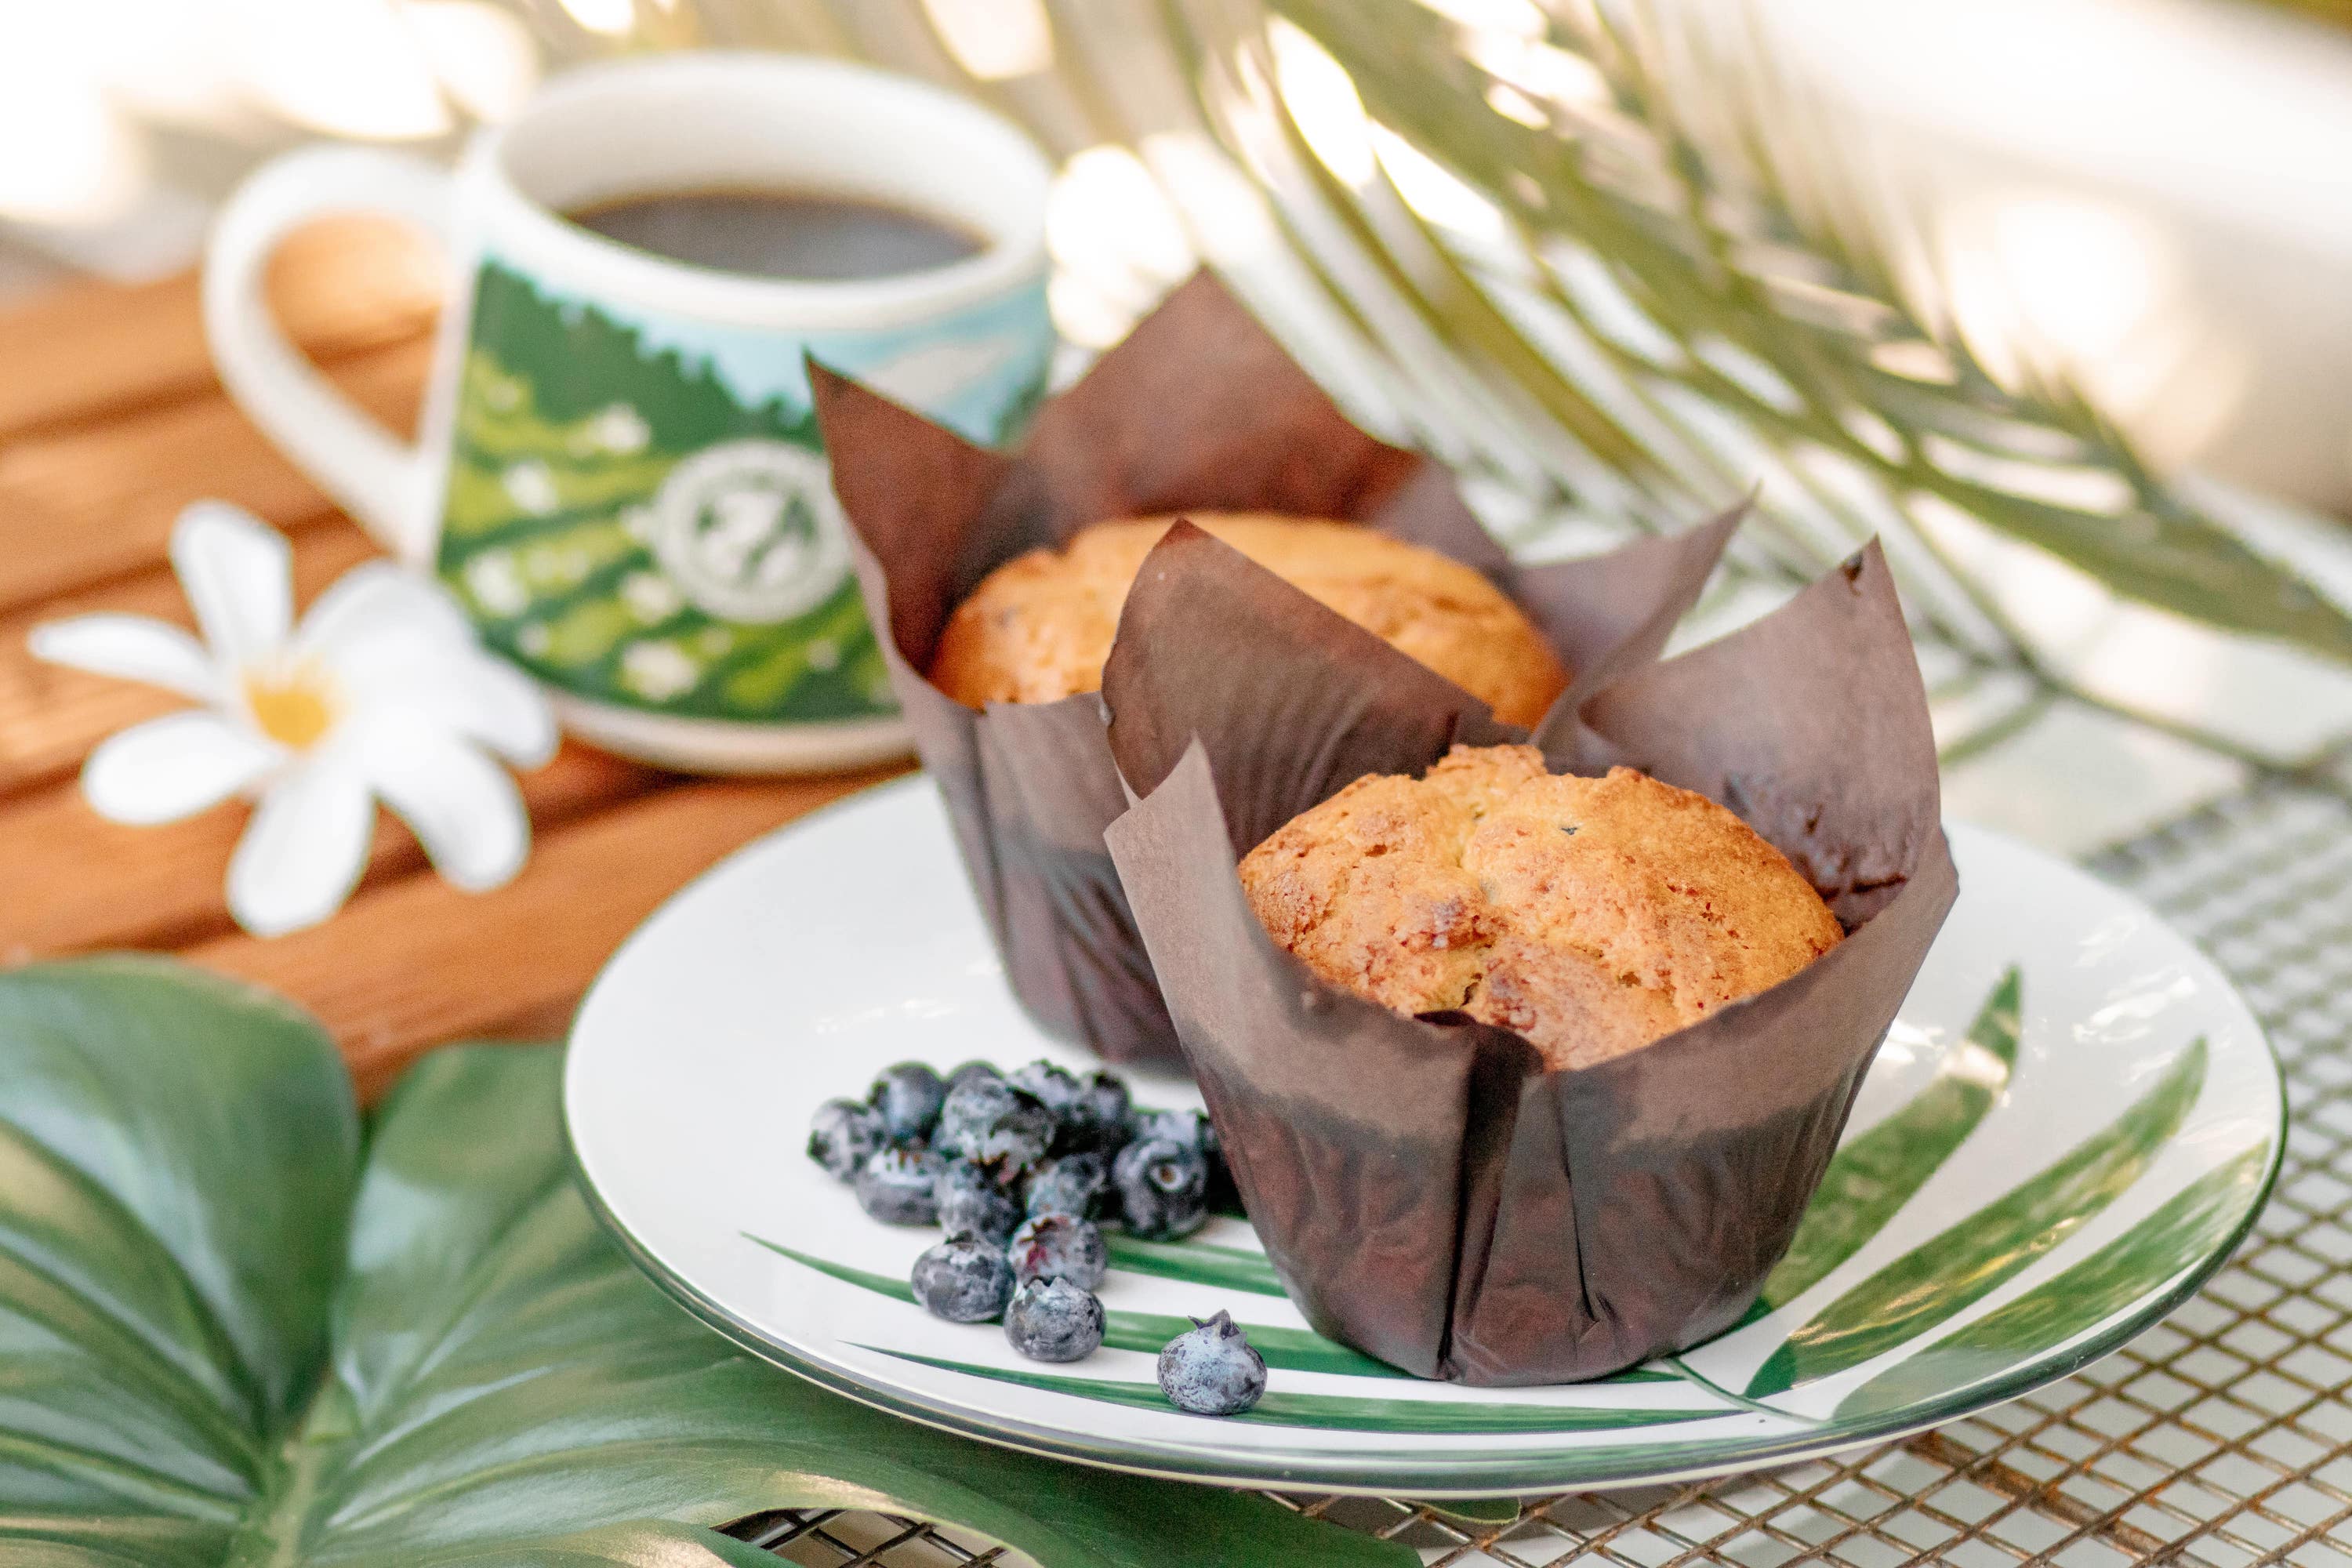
2221 1438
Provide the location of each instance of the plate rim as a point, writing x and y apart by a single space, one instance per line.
1381 1474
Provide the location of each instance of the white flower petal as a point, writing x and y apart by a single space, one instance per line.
375 600
237 574
462 807
306 847
461 693
173 767
129 648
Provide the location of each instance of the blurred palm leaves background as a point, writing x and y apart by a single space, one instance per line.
1618 262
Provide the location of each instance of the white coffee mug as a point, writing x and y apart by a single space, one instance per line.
619 474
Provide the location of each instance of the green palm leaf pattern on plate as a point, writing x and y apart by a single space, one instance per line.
1347 1412
1197 1262
2181 1234
1944 1274
1296 1350
1874 1175
1291 1349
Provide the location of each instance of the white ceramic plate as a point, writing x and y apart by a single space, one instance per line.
2072 1123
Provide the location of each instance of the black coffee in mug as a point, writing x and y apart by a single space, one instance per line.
781 234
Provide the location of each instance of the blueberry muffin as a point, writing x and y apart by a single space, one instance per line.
1038 627
1590 915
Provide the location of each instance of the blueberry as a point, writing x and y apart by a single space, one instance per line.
1073 1185
1053 1086
1059 1246
1053 1319
969 1072
1162 1188
970 1199
1194 1129
1212 1369
842 1134
1191 1128
964 1280
995 1125
908 1097
894 1186
1096 1119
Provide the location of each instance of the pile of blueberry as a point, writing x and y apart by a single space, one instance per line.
1023 1170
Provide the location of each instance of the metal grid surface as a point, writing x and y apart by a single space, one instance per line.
2223 1439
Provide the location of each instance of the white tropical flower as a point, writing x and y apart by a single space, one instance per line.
381 694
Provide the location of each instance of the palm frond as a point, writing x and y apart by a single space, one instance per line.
1687 287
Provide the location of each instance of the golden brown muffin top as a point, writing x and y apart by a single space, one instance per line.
1590 915
1038 627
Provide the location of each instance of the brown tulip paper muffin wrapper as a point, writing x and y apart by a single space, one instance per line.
1198 409
1428 1190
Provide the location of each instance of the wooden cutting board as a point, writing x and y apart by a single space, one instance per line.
111 421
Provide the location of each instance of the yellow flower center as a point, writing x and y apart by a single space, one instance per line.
293 707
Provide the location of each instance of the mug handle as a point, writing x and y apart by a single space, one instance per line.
370 473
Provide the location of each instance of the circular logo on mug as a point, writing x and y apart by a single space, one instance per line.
749 530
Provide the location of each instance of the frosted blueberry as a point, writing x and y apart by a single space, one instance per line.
1055 1087
1073 1185
1162 1188
1212 1369
1053 1319
970 1199
969 1071
842 1134
994 1125
894 1186
1096 1119
907 1096
964 1280
1059 1246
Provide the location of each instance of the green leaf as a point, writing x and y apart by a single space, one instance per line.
225 1339
1197 1262
1942 1276
1771 292
2186 1231
1874 1175
1293 1350
1345 1412
1287 1348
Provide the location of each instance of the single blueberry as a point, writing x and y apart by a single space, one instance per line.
964 1280
1073 1185
842 1134
1193 1128
894 1186
1059 1246
1096 1121
908 1097
1053 1319
969 1071
1052 1084
971 1199
994 1125
1162 1188
1212 1369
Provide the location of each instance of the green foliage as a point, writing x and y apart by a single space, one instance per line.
1685 309
226 1337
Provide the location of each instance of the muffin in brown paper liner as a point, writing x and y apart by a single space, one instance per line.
1199 409
1427 1189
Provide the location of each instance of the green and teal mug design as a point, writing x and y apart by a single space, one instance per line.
620 476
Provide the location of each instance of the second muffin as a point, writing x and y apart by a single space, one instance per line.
1592 915
1038 627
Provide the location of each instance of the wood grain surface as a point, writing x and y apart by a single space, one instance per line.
111 421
